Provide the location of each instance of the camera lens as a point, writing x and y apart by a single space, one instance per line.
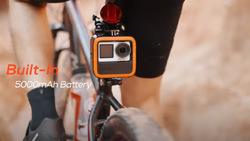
123 50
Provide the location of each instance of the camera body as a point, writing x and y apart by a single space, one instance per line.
113 56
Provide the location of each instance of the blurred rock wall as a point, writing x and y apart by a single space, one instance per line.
206 93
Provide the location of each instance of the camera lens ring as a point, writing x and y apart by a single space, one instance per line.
123 50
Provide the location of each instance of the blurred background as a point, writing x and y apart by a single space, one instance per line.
205 94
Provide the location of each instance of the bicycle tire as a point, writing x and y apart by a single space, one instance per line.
131 124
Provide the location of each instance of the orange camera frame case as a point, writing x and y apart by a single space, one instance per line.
95 56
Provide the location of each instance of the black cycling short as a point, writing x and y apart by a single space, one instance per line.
153 24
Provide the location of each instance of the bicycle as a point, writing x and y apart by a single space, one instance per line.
129 124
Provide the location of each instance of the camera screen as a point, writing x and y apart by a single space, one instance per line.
106 50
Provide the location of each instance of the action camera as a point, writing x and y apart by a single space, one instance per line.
113 57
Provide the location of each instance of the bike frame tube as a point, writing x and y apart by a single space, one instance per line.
93 117
82 33
101 109
105 99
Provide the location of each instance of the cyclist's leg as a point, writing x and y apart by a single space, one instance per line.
153 24
32 38
143 93
33 44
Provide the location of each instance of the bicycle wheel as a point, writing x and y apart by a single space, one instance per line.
131 124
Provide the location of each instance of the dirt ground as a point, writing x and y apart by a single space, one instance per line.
205 91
